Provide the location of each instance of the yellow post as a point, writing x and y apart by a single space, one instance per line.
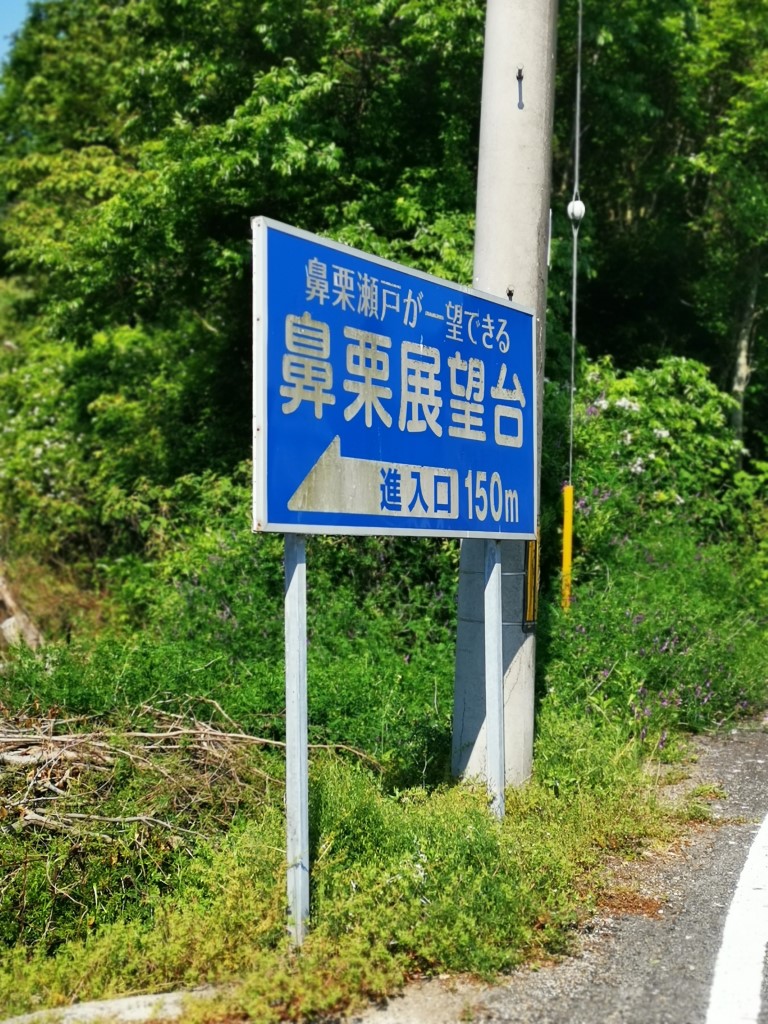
567 544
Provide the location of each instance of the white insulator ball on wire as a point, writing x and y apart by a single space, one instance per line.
576 211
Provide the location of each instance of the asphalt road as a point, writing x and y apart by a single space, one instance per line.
655 964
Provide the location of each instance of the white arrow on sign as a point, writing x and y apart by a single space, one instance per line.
376 488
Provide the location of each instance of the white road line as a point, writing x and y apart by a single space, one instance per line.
738 980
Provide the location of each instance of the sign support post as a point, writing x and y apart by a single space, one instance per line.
296 736
494 676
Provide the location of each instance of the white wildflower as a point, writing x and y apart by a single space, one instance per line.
661 434
628 404
637 467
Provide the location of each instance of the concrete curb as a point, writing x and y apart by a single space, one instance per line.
167 1007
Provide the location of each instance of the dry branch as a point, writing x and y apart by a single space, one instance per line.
15 625
48 766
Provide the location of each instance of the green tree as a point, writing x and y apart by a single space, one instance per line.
127 221
730 73
636 249
674 176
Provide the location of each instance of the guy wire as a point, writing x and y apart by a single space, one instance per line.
575 221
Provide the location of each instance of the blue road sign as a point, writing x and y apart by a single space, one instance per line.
387 401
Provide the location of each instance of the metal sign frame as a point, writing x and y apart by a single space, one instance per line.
387 401
464 386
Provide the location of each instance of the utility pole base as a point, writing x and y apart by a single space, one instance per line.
469 729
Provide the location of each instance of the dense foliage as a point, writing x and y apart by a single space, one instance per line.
138 138
673 174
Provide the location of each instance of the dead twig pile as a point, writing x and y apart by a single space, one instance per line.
98 817
56 773
61 774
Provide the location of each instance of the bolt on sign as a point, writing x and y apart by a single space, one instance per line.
387 401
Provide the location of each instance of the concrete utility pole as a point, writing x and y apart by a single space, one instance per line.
511 255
